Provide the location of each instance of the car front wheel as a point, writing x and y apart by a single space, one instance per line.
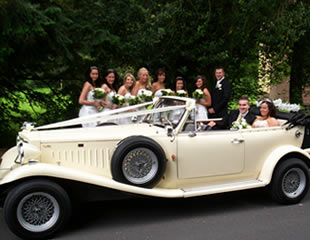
138 161
37 209
290 181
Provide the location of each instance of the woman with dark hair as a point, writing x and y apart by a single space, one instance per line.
109 85
159 82
267 111
202 103
180 86
90 104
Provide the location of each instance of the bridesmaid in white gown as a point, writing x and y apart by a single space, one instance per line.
90 104
202 104
125 90
109 85
144 81
159 83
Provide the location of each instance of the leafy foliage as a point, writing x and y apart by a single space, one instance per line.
49 44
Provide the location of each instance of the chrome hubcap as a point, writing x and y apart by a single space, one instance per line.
38 212
140 165
294 182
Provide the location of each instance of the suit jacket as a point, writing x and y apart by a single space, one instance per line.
220 99
227 121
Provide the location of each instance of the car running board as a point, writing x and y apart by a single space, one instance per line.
227 187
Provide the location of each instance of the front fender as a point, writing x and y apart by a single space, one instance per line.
271 162
43 169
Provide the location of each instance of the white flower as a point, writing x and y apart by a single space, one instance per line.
218 86
198 94
166 92
118 99
241 124
181 93
99 93
146 95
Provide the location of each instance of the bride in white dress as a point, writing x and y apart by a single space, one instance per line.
267 111
90 104
203 103
124 90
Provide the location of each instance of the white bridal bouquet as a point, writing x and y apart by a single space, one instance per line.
146 95
99 93
167 92
240 124
180 93
198 94
118 100
133 100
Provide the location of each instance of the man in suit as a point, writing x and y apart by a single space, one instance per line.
234 115
220 95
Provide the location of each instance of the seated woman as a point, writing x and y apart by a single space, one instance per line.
267 111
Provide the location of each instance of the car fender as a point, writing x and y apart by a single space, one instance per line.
48 170
271 162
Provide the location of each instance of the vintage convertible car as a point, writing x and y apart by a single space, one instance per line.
165 153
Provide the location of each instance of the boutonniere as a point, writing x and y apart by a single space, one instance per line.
218 86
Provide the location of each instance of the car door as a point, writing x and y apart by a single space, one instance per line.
209 153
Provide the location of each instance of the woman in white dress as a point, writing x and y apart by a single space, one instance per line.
267 111
203 103
159 82
109 85
90 104
180 84
125 90
144 81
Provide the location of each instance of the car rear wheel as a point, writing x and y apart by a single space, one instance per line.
290 181
138 161
37 209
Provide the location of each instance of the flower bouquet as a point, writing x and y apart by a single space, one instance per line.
180 93
133 100
198 94
146 95
240 124
118 100
167 92
99 93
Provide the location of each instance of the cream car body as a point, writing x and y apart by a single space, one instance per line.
196 162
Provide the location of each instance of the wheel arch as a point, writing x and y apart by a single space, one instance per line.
278 156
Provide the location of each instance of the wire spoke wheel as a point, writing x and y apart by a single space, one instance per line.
38 211
294 182
140 165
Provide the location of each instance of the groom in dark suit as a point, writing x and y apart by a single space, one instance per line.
220 95
242 112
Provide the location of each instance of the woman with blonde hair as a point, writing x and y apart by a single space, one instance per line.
144 81
128 83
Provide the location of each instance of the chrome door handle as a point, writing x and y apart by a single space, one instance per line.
237 140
